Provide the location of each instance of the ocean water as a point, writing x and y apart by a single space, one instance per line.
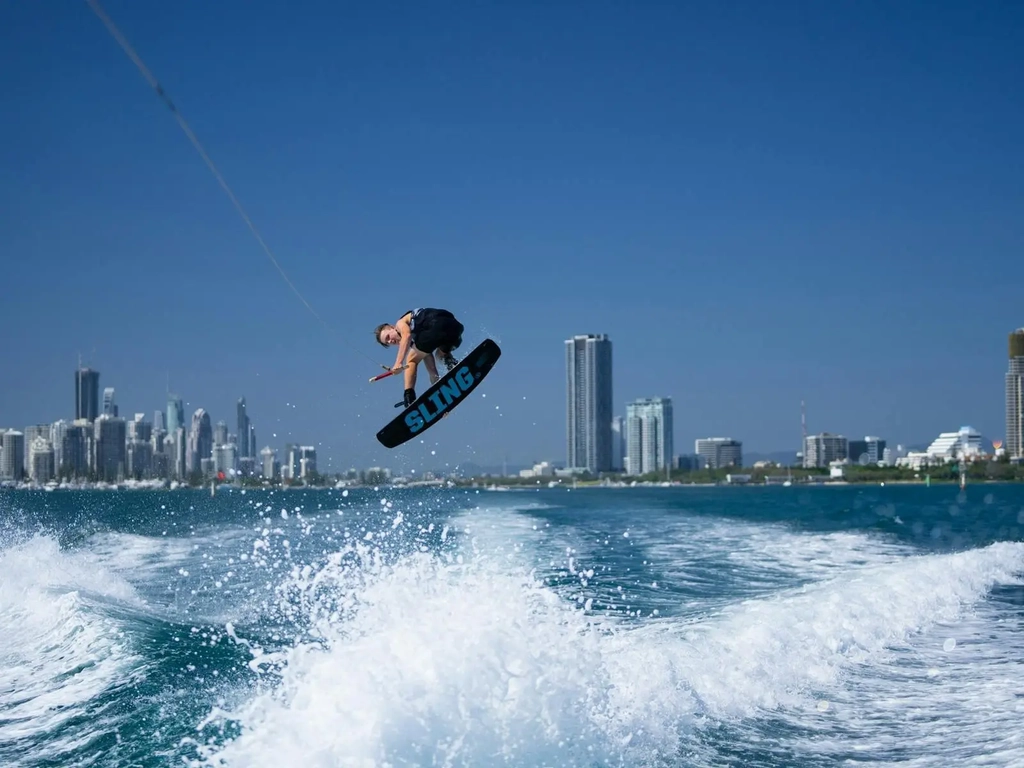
454 627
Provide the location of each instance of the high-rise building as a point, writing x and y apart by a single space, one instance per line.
220 434
58 431
175 448
268 461
40 463
648 435
821 450
87 394
245 448
139 459
76 451
200 441
224 458
588 368
12 462
109 406
307 461
1015 397
111 435
718 452
290 462
140 429
175 414
31 433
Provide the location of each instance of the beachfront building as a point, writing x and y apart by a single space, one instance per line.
718 452
950 446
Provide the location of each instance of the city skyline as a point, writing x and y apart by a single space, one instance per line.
588 372
101 444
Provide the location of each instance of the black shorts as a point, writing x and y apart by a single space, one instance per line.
434 329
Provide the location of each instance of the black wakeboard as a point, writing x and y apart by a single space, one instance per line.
450 390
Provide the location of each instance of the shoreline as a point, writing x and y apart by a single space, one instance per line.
492 484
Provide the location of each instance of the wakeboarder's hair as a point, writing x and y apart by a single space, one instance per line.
377 330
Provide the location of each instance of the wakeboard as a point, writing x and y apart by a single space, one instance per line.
450 390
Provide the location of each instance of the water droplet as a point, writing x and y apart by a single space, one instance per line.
949 645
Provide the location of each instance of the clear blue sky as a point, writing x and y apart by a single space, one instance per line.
758 202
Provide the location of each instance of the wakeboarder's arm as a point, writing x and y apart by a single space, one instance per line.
405 332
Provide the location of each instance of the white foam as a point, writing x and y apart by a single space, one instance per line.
440 662
435 662
780 650
56 652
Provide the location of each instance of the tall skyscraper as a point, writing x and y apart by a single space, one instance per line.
1015 397
12 461
175 414
111 435
76 451
268 461
109 404
588 378
307 461
648 435
200 440
58 431
245 449
87 394
220 434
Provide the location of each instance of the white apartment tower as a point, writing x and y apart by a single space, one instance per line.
648 435
821 450
588 380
